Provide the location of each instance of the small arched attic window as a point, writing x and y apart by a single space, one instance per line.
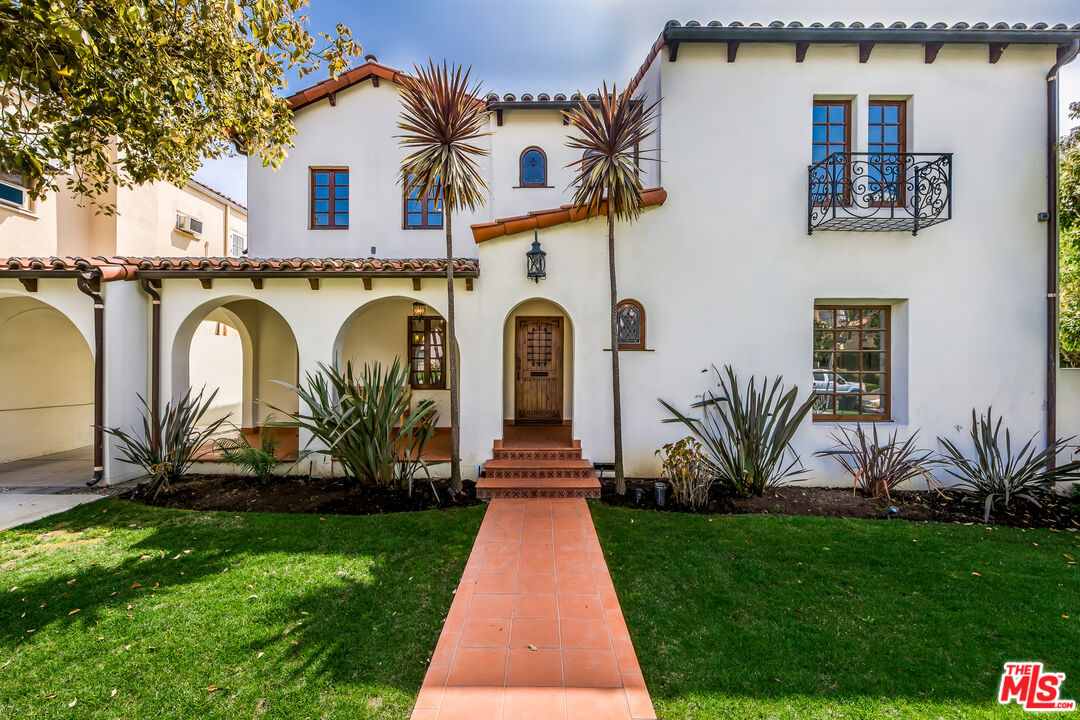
630 324
533 168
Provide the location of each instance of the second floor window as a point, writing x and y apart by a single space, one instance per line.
832 134
13 190
533 168
887 142
236 244
423 213
329 198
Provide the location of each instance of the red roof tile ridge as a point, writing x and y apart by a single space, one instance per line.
553 216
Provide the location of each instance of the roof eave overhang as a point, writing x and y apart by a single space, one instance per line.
906 36
279 273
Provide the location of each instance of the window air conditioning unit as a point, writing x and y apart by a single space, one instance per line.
189 225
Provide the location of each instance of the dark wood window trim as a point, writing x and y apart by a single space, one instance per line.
901 125
424 345
332 189
868 342
521 168
640 345
846 104
426 210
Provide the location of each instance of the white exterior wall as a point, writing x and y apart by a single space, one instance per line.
522 129
358 133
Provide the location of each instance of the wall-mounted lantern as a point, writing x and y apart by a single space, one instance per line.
536 261
418 309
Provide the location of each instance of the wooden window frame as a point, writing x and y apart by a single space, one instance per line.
332 185
521 168
901 105
424 225
846 199
641 310
428 345
885 390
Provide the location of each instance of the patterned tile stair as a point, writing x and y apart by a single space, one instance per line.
527 470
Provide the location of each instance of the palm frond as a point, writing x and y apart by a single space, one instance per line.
442 117
609 134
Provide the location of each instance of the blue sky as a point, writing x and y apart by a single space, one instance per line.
567 45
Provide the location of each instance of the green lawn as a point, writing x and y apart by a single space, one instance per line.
757 616
137 612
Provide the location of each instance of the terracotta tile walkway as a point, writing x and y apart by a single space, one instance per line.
535 629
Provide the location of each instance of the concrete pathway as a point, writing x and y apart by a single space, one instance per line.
535 629
19 508
49 473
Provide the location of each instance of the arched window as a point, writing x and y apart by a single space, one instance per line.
631 325
533 168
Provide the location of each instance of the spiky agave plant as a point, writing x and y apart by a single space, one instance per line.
609 132
442 117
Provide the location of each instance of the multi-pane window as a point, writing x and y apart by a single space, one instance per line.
329 198
236 244
533 168
887 141
630 325
13 189
427 350
851 363
423 212
832 134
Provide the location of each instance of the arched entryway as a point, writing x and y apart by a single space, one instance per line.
538 362
47 404
408 329
242 347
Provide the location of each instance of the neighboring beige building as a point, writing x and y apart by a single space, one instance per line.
146 223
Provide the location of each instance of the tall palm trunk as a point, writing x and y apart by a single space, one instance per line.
451 352
616 393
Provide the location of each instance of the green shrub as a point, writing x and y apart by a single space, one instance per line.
367 424
167 444
878 468
687 472
994 474
747 438
259 461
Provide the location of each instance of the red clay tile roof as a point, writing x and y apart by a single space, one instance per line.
554 216
346 79
118 268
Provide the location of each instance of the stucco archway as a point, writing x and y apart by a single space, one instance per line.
537 307
47 404
260 351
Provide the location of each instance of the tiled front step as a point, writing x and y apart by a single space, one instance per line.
539 469
531 487
517 453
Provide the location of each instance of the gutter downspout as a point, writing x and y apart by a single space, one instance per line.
89 284
155 356
1065 56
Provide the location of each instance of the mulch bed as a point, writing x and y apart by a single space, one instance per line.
323 496
1056 512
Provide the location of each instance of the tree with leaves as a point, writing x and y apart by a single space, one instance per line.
606 180
106 93
1069 244
442 117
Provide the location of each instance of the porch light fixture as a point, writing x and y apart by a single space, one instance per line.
418 309
536 261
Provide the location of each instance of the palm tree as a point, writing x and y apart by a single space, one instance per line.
441 118
606 180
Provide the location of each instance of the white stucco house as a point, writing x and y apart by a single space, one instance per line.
866 211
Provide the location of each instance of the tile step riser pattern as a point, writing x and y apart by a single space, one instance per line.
534 474
526 455
495 493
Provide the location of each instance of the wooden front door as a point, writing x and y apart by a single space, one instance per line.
538 369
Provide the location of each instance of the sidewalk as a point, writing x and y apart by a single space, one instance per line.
535 629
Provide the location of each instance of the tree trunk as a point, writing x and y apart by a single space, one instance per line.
616 394
451 352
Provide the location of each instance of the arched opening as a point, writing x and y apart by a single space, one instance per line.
47 404
241 347
406 329
538 362
532 168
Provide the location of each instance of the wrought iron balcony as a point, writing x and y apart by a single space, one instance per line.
879 192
